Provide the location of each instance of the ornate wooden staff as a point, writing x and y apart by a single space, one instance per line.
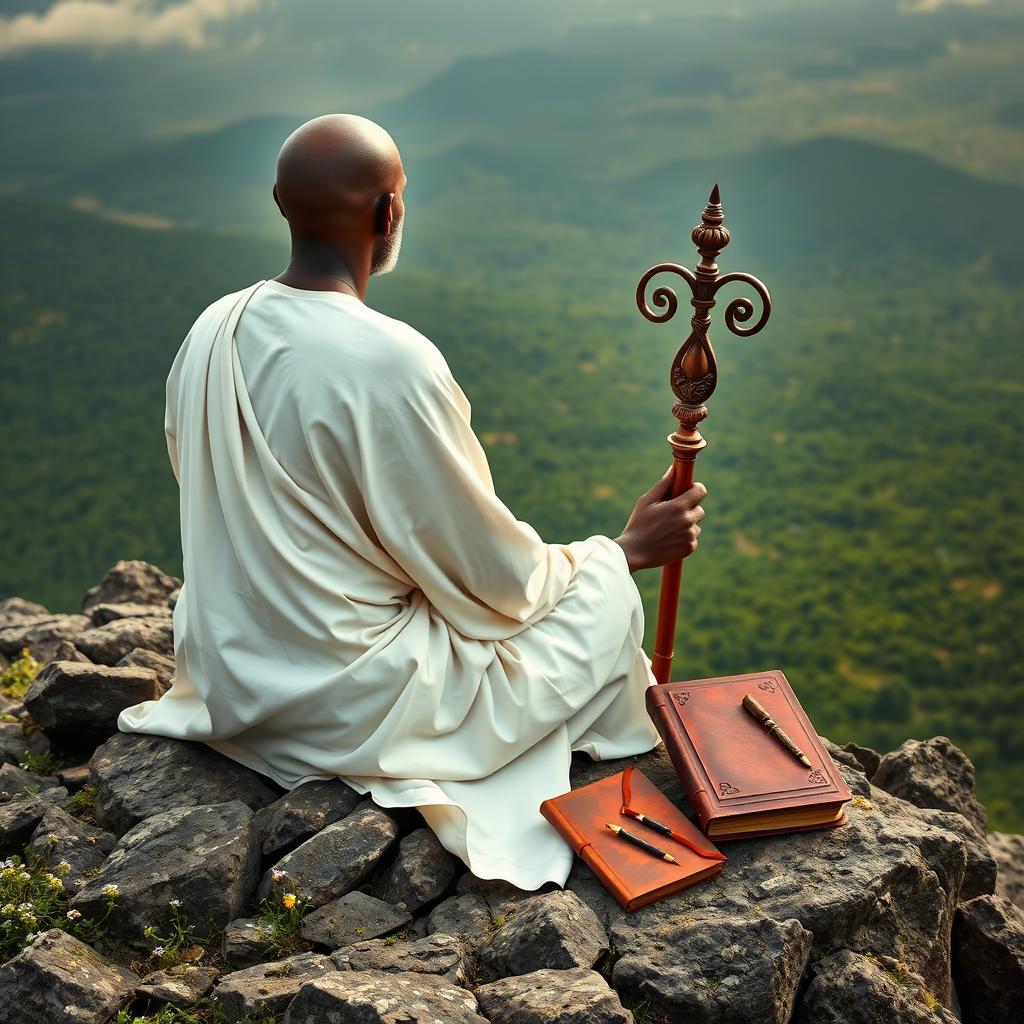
693 377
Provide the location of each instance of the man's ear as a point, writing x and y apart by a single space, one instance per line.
276 200
382 213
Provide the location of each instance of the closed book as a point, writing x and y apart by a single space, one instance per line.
739 778
634 876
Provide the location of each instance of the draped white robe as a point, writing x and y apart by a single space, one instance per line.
357 601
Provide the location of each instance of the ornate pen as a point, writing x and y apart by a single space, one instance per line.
772 728
642 843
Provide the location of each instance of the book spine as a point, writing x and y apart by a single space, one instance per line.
586 852
608 875
568 831
666 724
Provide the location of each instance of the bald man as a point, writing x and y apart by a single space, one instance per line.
357 602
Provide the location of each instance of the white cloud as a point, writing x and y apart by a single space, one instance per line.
927 6
103 23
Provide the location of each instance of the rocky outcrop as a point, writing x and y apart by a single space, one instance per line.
58 978
989 960
1008 852
870 922
932 773
131 581
859 988
205 858
300 814
136 777
77 704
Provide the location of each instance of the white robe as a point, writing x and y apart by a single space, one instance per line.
358 602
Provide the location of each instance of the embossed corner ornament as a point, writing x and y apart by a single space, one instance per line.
767 685
726 789
682 697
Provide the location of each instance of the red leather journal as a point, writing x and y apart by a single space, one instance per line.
634 876
740 780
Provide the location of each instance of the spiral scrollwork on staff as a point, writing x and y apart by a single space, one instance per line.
662 295
742 309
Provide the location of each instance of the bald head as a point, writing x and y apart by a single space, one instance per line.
331 171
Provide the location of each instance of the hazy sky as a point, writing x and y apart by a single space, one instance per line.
81 80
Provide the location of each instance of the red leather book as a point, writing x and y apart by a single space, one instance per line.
634 876
740 780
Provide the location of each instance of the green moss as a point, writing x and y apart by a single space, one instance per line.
15 680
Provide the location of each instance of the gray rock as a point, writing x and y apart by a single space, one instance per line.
77 704
131 581
727 971
988 957
16 782
60 837
137 776
101 614
180 985
353 917
501 896
247 943
1008 851
466 915
337 859
573 996
16 743
856 988
14 608
267 989
67 651
378 997
74 778
301 813
41 634
887 882
869 759
18 820
58 978
161 664
840 754
932 773
207 857
554 929
421 872
432 954
106 645
980 876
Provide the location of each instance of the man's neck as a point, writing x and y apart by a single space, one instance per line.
318 267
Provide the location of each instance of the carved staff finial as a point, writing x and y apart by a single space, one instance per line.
693 377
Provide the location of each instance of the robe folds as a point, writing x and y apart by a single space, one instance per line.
357 601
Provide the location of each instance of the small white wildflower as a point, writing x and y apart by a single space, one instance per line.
74 915
110 890
158 950
174 903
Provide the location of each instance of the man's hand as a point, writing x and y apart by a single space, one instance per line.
662 529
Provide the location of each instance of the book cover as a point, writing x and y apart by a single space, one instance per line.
738 778
634 876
